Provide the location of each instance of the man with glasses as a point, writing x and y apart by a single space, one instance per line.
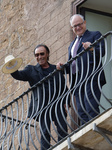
47 104
86 88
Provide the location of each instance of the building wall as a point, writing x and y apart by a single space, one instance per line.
25 24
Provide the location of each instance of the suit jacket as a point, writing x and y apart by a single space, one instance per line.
33 74
90 36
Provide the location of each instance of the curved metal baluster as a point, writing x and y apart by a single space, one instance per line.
49 90
60 103
104 66
5 131
1 125
57 98
67 98
21 125
80 88
56 110
11 129
35 121
92 80
67 95
17 124
100 71
48 102
2 120
26 126
81 84
68 112
35 128
47 109
39 113
50 106
30 136
77 85
51 121
31 118
45 119
42 134
92 77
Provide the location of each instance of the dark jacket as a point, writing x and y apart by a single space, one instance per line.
34 74
90 36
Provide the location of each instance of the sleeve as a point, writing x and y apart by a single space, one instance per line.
97 47
22 74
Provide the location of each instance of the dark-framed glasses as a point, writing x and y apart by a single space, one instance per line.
37 54
78 25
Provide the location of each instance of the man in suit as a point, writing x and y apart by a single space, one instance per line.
43 98
87 96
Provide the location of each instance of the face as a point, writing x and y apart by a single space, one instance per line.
41 56
78 25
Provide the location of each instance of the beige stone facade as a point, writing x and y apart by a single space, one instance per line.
25 24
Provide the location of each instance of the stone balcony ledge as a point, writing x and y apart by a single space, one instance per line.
96 135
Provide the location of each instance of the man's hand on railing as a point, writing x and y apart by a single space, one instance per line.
58 66
86 45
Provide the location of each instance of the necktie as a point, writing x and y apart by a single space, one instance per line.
74 54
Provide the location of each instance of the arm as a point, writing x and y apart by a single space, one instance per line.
21 75
58 66
96 36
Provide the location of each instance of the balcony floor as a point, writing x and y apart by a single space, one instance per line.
86 138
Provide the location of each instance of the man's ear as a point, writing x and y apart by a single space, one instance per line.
85 21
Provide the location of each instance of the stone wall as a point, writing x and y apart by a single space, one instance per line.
23 25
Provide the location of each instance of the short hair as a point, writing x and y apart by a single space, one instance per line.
42 45
82 17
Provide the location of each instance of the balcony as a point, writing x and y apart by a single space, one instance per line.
19 130
95 135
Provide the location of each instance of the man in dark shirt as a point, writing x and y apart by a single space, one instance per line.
47 104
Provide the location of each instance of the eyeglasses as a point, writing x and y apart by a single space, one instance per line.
37 55
78 25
